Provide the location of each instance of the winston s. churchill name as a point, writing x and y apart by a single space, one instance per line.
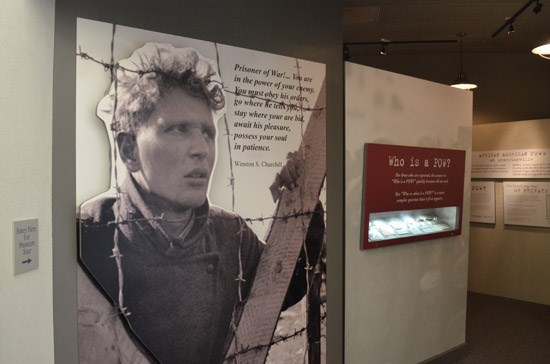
259 164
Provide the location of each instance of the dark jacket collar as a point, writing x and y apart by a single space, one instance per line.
142 227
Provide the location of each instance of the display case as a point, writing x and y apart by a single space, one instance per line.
411 194
384 226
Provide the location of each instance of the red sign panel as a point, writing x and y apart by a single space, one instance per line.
411 194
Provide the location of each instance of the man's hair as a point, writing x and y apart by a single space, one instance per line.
148 74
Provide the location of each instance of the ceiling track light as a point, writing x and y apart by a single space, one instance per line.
347 54
510 22
384 43
383 50
462 81
388 42
538 8
543 50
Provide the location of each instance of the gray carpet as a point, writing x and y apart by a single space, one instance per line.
506 331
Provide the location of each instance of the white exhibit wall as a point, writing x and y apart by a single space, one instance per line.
507 260
405 303
26 317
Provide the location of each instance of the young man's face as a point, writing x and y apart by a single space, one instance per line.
176 149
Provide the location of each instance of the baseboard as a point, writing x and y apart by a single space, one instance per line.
450 356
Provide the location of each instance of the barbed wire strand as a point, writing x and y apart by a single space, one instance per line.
107 66
278 340
307 265
116 251
287 105
304 228
228 134
240 277
114 68
285 217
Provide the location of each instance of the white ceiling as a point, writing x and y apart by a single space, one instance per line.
401 20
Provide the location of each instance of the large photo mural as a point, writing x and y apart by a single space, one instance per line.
201 209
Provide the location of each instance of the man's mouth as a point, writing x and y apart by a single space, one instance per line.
197 173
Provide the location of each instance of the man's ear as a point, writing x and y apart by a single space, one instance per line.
127 147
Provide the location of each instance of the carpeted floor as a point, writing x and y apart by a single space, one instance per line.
506 331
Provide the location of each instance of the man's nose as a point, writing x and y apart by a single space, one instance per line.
199 143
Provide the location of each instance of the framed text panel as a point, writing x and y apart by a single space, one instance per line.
514 163
527 203
482 202
411 194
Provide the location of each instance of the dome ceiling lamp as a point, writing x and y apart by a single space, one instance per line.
543 50
462 81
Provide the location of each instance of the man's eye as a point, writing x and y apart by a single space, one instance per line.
179 129
209 134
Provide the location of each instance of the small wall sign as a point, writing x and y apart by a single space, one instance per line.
25 246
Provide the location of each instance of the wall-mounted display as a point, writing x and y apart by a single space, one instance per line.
527 203
411 194
400 224
513 163
482 202
200 168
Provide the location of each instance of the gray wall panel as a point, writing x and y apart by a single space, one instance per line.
305 29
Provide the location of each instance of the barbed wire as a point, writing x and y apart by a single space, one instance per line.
116 251
114 68
87 223
278 340
288 106
228 134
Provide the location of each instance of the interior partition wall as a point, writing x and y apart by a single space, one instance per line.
308 30
404 303
27 36
510 260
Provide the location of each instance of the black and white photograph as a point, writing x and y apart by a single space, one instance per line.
201 201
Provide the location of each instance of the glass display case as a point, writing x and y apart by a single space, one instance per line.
402 224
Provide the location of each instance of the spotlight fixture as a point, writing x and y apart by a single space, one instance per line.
538 8
347 55
383 50
462 81
384 43
510 21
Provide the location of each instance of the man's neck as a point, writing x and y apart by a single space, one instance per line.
176 221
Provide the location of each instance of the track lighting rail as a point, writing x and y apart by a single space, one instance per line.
510 22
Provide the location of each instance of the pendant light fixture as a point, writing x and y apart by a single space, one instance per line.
543 50
461 81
